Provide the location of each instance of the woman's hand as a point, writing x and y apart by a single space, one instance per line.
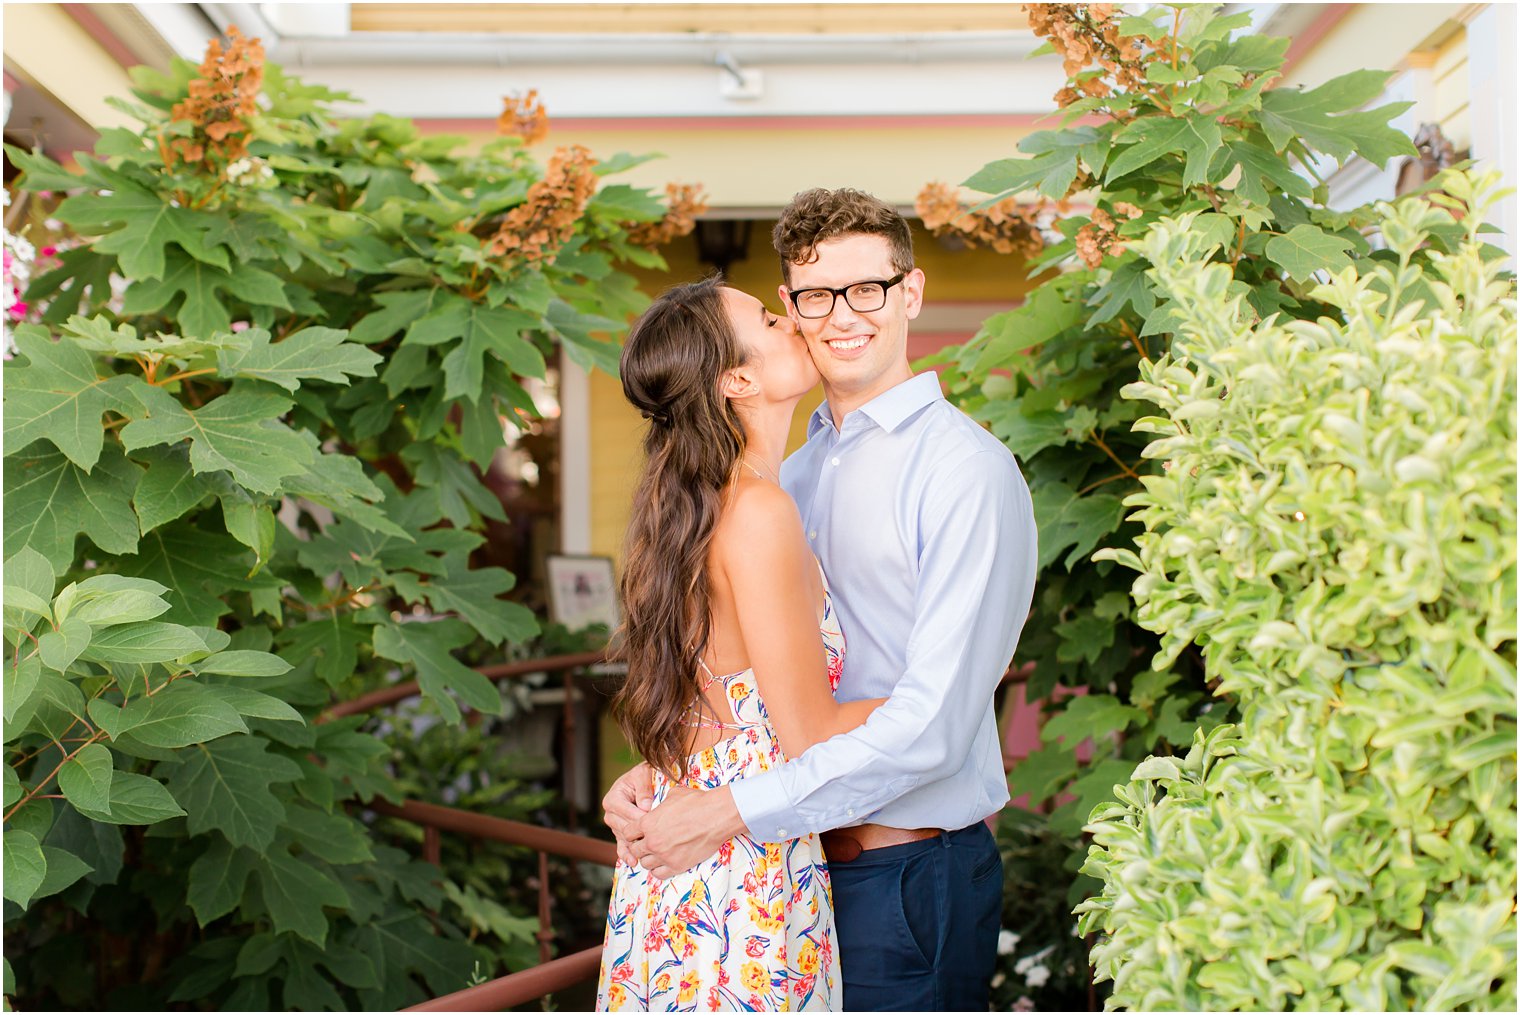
629 799
687 828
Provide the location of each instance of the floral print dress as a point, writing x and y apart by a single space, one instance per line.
749 929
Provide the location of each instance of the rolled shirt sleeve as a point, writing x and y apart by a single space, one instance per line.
933 745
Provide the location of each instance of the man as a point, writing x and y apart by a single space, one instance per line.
924 527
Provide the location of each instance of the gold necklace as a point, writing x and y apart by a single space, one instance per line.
761 475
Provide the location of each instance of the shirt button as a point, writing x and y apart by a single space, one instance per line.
850 812
813 534
836 461
781 833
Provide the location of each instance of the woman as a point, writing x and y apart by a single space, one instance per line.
733 653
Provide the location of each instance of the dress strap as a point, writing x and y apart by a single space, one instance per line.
711 677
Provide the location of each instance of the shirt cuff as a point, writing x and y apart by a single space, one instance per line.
765 809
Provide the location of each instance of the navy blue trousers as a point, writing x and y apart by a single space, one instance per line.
918 923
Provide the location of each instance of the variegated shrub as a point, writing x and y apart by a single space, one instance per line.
1334 528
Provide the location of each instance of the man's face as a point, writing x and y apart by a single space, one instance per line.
859 353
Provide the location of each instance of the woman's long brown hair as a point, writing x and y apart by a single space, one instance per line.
672 366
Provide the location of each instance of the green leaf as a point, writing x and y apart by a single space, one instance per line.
578 331
1043 774
135 800
41 173
1196 136
238 432
57 395
398 311
1317 118
148 641
257 704
622 203
49 501
1066 519
224 785
427 647
138 225
243 663
179 715
336 838
251 522
105 600
481 330
63 869
202 312
60 648
332 641
473 595
1260 166
1127 286
216 880
168 489
338 482
29 579
201 568
1091 715
13 788
1051 170
1305 249
25 866
85 779
21 682
295 893
309 354
404 943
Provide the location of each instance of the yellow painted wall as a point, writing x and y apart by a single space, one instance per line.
49 47
1453 91
1371 36
746 168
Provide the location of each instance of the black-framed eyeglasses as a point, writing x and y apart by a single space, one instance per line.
862 297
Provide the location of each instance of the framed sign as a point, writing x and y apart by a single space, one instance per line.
582 591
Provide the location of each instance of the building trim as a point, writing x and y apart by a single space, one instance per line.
481 124
103 36
1305 41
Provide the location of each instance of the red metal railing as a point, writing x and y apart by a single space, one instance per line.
551 974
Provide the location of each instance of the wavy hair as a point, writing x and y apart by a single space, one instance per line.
673 362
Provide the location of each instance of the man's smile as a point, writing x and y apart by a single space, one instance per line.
848 344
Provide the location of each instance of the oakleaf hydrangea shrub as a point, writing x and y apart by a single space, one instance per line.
1334 527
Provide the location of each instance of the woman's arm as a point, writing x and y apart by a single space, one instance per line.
773 578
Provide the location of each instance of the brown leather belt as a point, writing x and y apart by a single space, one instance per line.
841 845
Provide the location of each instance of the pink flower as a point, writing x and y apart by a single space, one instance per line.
48 251
18 310
239 325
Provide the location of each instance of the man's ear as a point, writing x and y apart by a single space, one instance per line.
738 383
786 301
913 293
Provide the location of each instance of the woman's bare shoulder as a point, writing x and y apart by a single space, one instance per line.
758 521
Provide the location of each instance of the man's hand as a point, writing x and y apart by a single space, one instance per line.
687 828
627 801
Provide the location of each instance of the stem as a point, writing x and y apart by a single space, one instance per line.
1093 486
1131 473
1240 245
1134 340
183 374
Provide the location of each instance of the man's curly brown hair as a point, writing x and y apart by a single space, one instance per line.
818 214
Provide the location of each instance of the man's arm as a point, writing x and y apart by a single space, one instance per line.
974 587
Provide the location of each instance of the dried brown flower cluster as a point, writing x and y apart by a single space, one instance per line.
685 201
546 219
220 102
1087 35
524 117
1100 237
1008 227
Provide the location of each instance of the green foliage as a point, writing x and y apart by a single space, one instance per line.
241 481
1335 529
1196 131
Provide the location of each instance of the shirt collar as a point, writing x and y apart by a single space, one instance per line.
890 409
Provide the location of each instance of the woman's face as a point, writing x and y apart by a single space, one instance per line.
778 354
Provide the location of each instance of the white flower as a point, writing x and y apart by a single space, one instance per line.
1007 942
238 168
1029 962
997 980
1037 976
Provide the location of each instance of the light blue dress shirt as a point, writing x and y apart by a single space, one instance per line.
925 528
